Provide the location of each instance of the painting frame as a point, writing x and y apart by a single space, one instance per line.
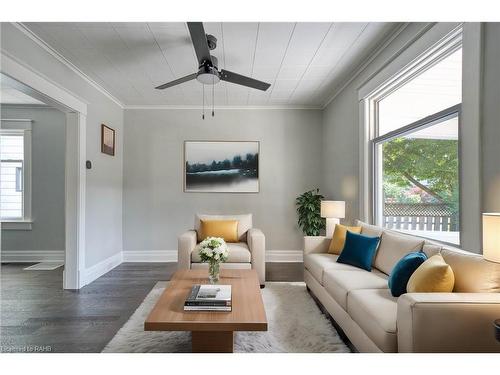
107 132
188 189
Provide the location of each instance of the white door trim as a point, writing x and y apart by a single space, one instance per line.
36 84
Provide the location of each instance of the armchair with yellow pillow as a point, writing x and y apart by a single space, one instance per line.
246 244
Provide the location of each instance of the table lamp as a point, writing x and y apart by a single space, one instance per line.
332 211
491 236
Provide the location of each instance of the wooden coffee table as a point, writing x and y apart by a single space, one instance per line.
211 331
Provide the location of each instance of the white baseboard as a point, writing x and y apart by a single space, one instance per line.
291 256
150 256
286 256
97 270
31 256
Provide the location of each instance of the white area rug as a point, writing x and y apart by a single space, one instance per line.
44 266
295 325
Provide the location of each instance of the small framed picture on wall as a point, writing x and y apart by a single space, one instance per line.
107 140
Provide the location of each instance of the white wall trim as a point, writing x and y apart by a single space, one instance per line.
30 34
171 256
150 256
224 107
30 81
17 225
32 256
97 270
286 256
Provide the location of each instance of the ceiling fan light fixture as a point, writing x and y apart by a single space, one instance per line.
208 78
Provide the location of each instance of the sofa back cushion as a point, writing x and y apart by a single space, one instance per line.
473 274
369 230
393 247
431 249
244 223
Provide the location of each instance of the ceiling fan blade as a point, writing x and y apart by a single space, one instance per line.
177 81
199 39
243 80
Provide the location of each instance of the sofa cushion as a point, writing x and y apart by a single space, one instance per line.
473 274
403 270
375 311
369 230
433 276
431 249
238 253
244 223
338 238
392 248
359 250
226 229
339 283
316 264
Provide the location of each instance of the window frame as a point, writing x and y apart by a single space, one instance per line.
21 127
422 63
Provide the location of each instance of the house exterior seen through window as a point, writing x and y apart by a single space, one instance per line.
11 176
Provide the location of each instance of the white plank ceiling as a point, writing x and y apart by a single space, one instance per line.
304 62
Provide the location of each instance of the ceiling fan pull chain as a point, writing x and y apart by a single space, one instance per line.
203 106
213 95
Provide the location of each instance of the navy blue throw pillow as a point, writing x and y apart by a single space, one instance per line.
359 250
403 270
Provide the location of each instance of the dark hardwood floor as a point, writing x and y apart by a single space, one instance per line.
37 315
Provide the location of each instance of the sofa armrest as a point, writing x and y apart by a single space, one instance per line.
447 322
185 246
316 244
256 241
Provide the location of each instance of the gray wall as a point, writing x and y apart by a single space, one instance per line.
341 154
156 210
491 118
47 182
104 181
341 146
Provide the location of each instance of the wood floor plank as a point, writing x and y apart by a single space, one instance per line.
37 314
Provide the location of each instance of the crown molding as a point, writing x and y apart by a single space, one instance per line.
226 107
40 42
383 45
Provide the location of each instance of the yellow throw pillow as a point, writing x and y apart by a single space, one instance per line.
338 238
227 229
434 275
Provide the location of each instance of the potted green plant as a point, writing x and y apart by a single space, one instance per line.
309 211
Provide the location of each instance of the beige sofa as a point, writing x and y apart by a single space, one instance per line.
374 321
249 252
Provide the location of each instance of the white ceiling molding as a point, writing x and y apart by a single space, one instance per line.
62 59
383 45
225 107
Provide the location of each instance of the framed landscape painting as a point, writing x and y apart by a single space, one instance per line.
221 166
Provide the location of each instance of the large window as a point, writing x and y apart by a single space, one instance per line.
15 153
416 149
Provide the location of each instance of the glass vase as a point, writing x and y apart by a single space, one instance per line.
213 272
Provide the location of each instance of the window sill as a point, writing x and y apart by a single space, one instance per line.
17 225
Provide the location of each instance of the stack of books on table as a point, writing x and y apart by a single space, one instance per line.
209 298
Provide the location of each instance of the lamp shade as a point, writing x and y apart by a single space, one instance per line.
334 209
491 237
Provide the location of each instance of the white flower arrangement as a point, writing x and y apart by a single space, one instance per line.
213 250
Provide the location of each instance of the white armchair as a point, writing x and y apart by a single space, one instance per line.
248 253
